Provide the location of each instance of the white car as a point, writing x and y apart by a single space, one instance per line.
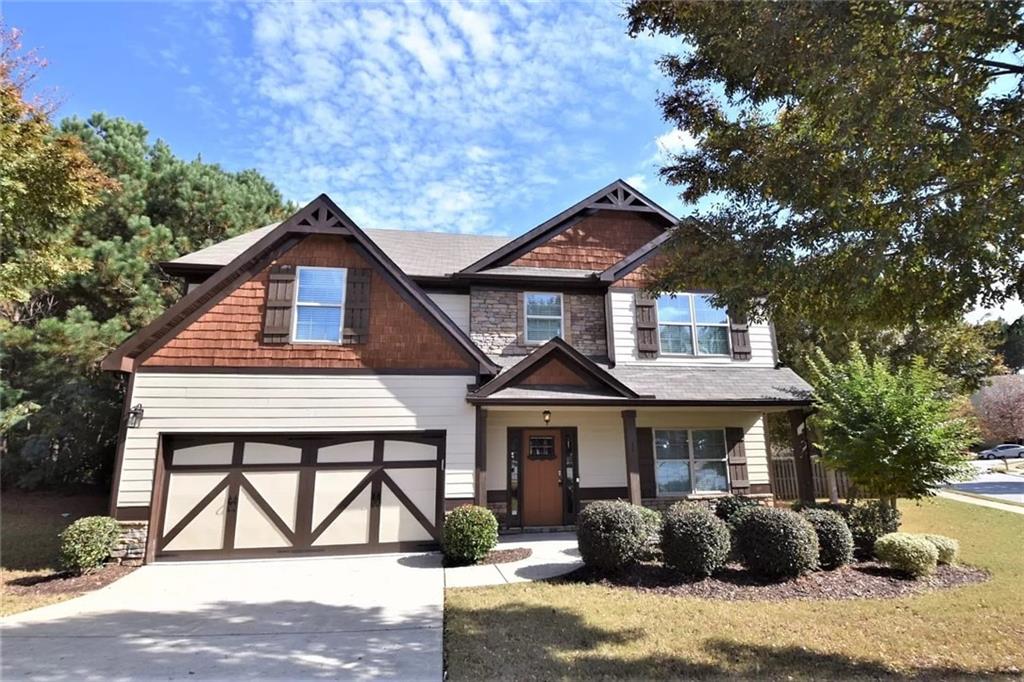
1002 452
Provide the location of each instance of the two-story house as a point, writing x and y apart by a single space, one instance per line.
324 388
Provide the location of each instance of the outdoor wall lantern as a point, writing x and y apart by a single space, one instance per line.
547 416
135 416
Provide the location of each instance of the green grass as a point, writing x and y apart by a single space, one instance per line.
29 546
547 631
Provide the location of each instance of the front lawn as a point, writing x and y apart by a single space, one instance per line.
29 525
546 631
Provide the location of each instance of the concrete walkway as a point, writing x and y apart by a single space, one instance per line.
553 554
347 618
991 504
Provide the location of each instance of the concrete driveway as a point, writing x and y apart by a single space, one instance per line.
338 618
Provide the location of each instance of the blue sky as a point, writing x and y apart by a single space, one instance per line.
456 117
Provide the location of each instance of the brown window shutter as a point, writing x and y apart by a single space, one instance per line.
277 311
646 317
740 332
357 306
645 444
739 479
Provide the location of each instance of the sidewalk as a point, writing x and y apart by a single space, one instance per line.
554 554
991 504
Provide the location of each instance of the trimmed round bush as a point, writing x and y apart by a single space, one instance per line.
911 554
87 543
948 548
726 507
693 540
868 522
470 532
612 535
652 522
835 542
776 543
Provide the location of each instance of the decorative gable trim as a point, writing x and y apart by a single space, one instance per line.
320 216
618 196
556 348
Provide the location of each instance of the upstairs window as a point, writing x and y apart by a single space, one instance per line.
543 317
689 325
319 305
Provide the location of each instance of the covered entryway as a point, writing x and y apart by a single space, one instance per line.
259 495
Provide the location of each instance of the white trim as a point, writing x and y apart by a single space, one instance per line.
691 460
527 316
296 304
693 324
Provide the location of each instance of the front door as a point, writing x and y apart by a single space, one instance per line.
542 478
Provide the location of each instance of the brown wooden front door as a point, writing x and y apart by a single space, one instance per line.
542 478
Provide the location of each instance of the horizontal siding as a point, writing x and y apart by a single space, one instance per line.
623 334
455 306
290 403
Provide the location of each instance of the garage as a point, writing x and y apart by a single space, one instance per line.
267 495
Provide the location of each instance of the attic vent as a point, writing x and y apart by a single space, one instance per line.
320 218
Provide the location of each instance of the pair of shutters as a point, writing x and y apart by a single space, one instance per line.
278 309
646 319
739 479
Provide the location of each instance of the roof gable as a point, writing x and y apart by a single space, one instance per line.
617 196
321 216
557 361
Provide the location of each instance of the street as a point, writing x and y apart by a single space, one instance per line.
990 483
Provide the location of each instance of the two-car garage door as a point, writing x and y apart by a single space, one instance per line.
258 495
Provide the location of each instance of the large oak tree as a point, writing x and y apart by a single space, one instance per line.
861 163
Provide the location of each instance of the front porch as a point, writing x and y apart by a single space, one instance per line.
537 466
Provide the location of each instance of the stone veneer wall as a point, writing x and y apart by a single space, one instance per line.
131 546
496 322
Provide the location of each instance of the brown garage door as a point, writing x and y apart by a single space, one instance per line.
252 495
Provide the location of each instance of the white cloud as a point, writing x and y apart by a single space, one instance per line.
672 143
637 181
424 116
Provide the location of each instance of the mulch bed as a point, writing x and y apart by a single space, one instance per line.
507 556
862 580
64 583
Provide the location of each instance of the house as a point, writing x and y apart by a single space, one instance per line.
321 388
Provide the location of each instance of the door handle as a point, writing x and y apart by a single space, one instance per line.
232 504
559 477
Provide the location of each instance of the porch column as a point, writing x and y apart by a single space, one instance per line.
632 455
802 455
480 469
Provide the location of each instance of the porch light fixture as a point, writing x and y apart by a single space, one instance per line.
547 416
135 416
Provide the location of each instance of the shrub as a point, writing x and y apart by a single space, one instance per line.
694 541
652 523
948 548
470 532
87 543
870 521
835 542
726 507
611 535
776 543
909 553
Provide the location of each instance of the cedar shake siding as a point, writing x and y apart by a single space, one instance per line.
230 333
595 243
556 373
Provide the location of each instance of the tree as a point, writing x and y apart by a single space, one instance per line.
46 180
896 433
163 206
1012 346
862 161
1000 410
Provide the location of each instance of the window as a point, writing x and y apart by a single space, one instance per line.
687 322
690 461
319 305
543 317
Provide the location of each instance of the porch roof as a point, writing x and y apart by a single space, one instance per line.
662 385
